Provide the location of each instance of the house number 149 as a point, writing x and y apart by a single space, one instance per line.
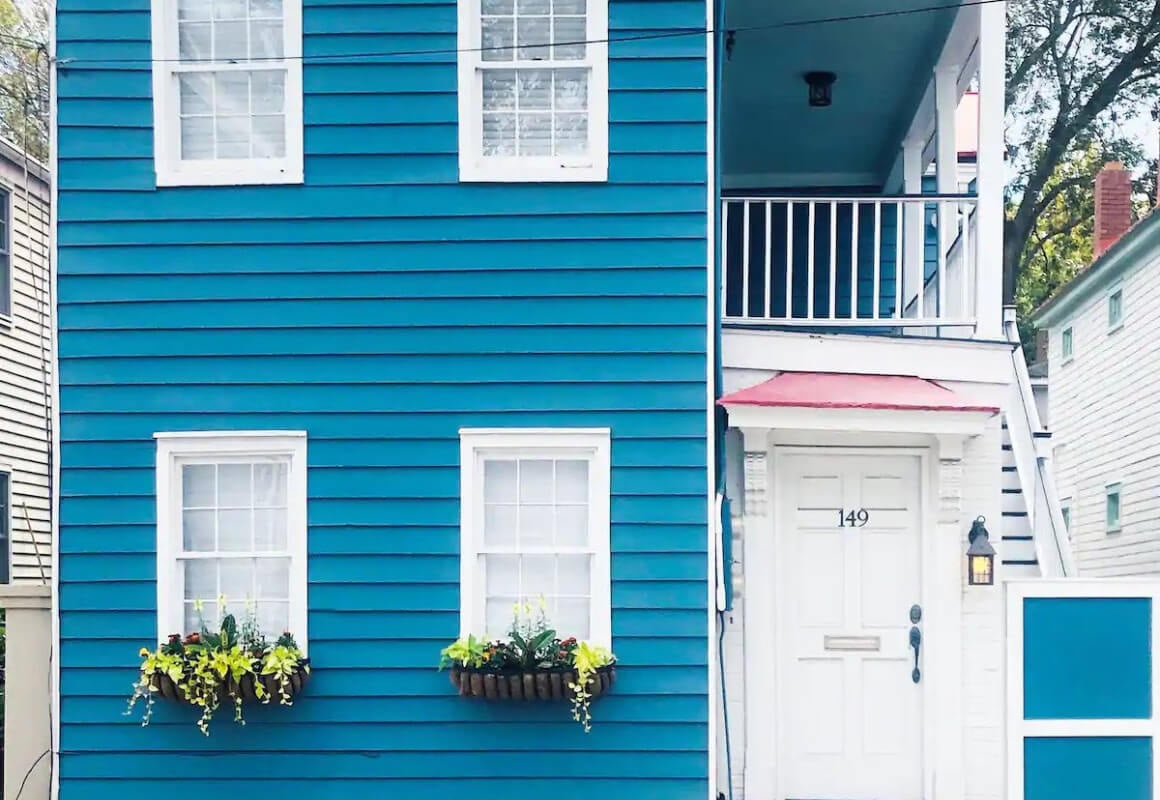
853 518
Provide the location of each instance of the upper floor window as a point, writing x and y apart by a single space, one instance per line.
7 279
1065 511
1067 344
227 91
5 526
231 529
533 90
1115 309
535 525
1112 505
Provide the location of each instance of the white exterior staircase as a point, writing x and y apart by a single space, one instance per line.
1034 541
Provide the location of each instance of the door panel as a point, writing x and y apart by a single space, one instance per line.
852 727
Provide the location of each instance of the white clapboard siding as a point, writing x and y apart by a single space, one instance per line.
25 358
1104 418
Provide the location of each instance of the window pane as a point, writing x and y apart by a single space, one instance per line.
572 526
571 481
269 92
503 575
197 485
197 138
535 481
196 93
535 134
274 617
572 618
236 583
269 137
571 89
229 41
570 35
499 134
498 615
491 7
270 485
499 526
194 619
497 35
201 579
266 39
233 137
534 89
272 580
536 524
194 9
197 531
569 6
235 531
537 577
270 530
194 41
575 576
234 486
229 9
499 481
532 35
571 134
265 8
499 90
533 7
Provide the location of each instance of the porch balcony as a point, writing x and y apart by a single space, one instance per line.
848 262
863 233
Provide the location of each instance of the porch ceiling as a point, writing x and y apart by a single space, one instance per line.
883 65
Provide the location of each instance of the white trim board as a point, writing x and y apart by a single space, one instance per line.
960 423
1018 728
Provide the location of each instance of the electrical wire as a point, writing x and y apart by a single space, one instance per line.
348 58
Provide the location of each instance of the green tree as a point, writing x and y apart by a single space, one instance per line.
1076 70
24 71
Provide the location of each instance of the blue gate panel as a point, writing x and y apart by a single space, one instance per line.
1087 658
1087 768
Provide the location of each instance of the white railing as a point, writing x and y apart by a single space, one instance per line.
906 261
1033 466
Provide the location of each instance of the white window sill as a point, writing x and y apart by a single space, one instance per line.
515 172
1119 326
225 174
7 321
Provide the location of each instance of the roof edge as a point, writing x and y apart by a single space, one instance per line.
1112 264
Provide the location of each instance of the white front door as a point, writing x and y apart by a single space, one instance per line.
849 540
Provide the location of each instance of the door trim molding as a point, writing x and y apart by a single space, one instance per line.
764 634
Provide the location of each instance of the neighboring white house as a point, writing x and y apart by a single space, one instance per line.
1104 362
25 369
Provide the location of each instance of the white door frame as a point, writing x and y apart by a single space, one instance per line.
764 637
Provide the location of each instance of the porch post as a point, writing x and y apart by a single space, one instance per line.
946 714
760 651
946 100
912 261
991 152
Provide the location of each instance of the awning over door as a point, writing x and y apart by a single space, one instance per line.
844 391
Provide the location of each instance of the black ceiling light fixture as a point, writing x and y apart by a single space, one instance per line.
821 88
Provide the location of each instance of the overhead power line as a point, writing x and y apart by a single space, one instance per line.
349 58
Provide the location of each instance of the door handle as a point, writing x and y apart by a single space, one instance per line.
916 644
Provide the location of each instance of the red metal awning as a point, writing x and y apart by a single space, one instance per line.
837 390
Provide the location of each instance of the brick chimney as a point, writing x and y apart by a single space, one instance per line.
1113 206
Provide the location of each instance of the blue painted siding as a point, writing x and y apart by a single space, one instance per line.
1088 768
381 307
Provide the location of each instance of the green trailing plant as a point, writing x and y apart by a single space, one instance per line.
207 669
532 646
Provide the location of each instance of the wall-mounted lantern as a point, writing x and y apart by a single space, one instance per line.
980 555
821 88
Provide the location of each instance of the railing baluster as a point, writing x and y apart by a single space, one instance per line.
964 304
725 258
789 260
898 244
875 299
944 224
921 299
854 260
810 264
767 286
833 261
745 261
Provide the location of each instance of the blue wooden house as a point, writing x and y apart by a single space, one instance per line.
381 317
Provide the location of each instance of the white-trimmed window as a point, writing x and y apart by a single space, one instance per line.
533 90
1115 309
535 523
1067 344
1065 512
231 522
227 91
6 515
1112 507
7 276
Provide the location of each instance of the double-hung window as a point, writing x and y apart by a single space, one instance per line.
1112 507
231 530
1067 344
533 90
227 91
6 277
535 527
1115 309
5 526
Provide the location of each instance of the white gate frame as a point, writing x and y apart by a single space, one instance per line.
1019 728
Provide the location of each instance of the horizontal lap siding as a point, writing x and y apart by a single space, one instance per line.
25 378
382 307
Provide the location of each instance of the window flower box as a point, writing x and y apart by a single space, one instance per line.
226 668
532 664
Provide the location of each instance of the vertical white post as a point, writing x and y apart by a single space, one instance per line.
946 99
989 251
724 258
745 259
768 257
912 227
833 261
810 262
789 259
854 260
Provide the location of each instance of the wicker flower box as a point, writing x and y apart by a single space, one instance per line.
528 686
